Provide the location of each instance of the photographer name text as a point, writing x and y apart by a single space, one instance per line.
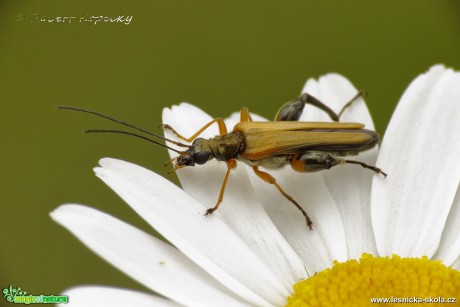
85 19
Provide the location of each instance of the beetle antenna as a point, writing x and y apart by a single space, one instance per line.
122 123
132 134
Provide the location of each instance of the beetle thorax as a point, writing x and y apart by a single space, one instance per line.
227 146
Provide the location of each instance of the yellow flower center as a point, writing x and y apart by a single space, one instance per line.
377 281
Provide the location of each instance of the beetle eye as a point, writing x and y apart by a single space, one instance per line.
201 157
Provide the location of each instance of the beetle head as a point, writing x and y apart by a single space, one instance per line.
198 153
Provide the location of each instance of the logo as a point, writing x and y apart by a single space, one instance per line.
19 296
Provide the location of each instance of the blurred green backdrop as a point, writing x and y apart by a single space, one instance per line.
217 55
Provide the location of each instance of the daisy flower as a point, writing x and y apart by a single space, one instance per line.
372 238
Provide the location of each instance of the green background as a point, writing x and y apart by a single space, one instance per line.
217 55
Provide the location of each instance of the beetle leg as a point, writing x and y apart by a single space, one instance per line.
269 178
245 116
292 110
314 161
220 122
361 93
374 168
231 164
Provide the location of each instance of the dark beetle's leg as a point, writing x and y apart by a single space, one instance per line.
292 110
314 161
361 93
374 168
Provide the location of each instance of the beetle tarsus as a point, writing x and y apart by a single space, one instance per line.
209 211
309 223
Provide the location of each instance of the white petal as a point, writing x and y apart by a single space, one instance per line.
317 252
449 248
240 208
335 91
179 218
420 154
456 264
327 242
188 119
320 247
89 296
349 185
146 259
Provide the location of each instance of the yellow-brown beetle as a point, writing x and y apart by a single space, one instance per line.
307 146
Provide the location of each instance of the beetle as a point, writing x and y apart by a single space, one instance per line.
306 146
